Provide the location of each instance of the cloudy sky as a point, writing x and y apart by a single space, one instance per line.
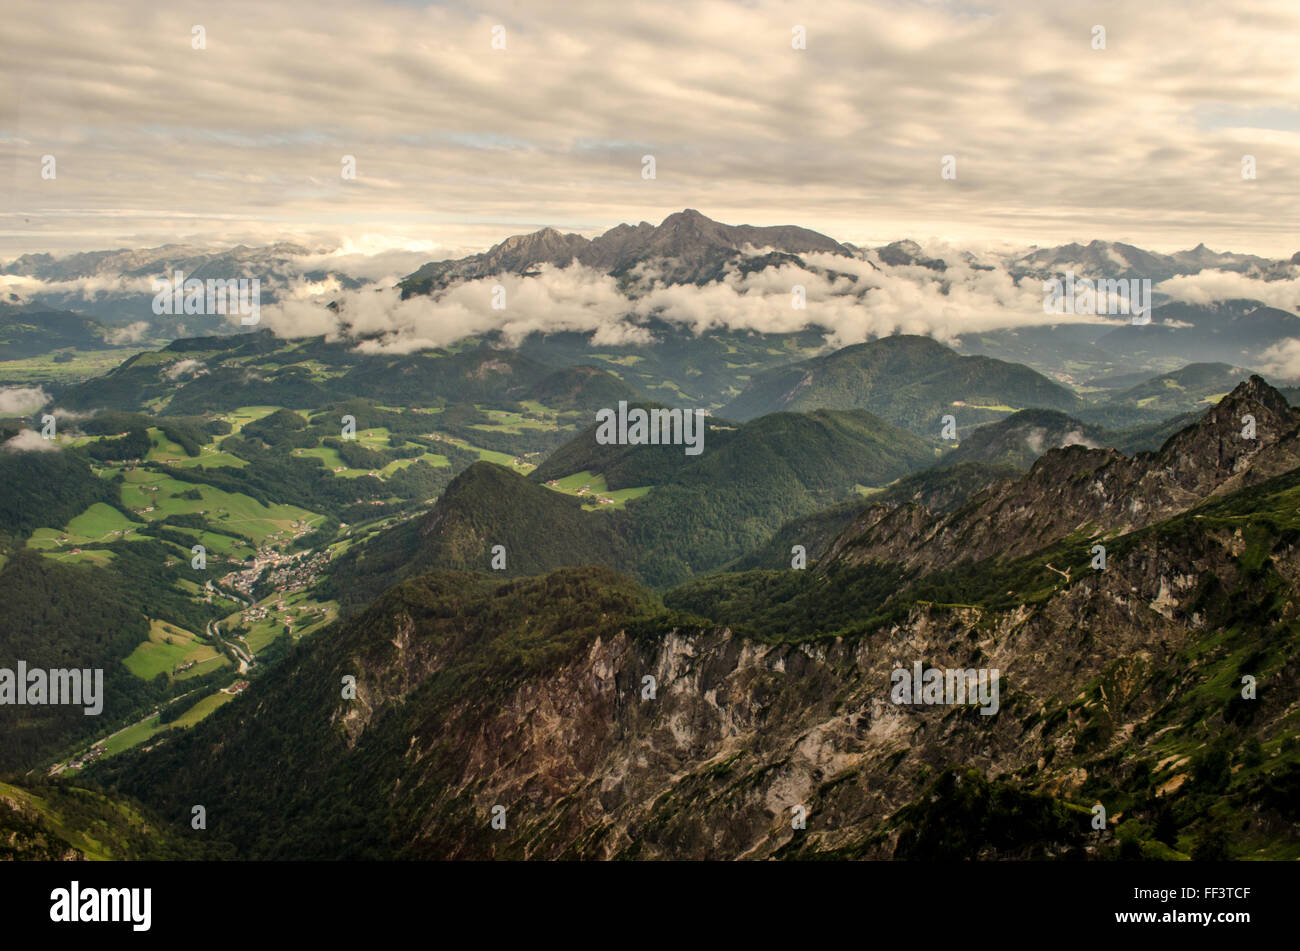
458 144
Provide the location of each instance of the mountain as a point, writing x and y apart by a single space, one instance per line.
682 515
116 286
241 261
1237 330
28 330
1091 491
942 488
531 696
485 506
625 466
581 388
681 366
909 381
1114 259
908 253
1186 390
689 248
1019 439
202 374
685 248
994 456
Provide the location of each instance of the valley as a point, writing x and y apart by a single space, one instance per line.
230 525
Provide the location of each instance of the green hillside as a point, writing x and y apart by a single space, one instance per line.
699 513
46 822
909 381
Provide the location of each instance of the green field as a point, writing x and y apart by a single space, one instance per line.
201 709
145 730
507 422
155 496
241 417
99 523
164 450
210 458
133 735
84 365
595 482
168 647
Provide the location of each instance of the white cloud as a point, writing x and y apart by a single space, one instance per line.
1207 287
1281 361
21 400
188 368
457 143
132 333
1075 437
856 304
557 299
29 440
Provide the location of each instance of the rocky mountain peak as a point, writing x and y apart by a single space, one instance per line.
1250 396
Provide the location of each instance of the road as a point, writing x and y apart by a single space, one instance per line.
245 659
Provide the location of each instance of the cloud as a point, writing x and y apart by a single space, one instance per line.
846 297
1075 437
29 440
86 288
1281 361
1208 287
456 143
21 400
189 368
73 415
556 299
133 332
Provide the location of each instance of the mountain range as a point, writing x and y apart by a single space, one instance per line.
430 590
770 689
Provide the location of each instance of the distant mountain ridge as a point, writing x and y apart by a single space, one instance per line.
1119 260
908 380
690 246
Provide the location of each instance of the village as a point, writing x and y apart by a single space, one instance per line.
285 573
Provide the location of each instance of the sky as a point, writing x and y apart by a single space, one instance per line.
458 144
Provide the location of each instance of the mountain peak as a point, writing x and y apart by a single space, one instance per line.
1250 394
687 218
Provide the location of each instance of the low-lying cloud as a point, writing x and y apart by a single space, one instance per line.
29 440
1208 287
847 297
22 400
1281 361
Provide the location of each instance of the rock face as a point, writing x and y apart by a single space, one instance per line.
739 733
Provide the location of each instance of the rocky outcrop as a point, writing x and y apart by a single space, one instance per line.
1250 436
